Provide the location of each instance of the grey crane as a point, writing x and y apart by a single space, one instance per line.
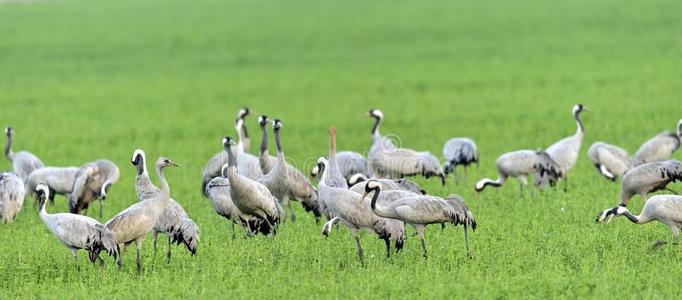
521 164
249 165
77 231
92 182
660 147
666 209
351 163
218 191
58 179
334 177
250 196
276 179
646 178
133 223
459 151
611 161
565 151
246 141
421 210
23 162
267 161
174 222
350 209
299 186
379 142
12 195
398 163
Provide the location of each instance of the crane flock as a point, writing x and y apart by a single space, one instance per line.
361 193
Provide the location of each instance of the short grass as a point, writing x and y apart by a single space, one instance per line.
82 80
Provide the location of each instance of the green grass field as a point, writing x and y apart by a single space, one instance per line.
83 80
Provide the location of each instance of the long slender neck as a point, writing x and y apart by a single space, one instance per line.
278 145
143 167
8 147
375 128
332 146
42 201
165 189
579 123
374 199
323 173
231 159
264 141
632 218
240 144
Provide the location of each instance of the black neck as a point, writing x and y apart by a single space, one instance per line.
264 139
374 198
377 120
246 132
630 217
140 165
8 145
231 159
580 123
278 143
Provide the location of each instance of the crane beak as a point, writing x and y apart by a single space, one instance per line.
364 195
172 163
586 109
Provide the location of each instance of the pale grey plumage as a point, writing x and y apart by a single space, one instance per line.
266 160
565 152
398 163
76 231
659 148
422 210
459 151
666 209
251 197
354 213
58 179
133 223
646 178
92 181
12 195
521 164
174 222
245 140
351 163
23 162
218 191
391 185
611 161
249 165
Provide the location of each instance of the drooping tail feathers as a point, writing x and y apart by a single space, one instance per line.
102 240
188 234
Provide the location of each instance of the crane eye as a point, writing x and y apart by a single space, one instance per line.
166 161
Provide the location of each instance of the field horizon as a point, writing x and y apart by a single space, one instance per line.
81 81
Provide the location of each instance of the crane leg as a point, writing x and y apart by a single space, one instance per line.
100 208
360 254
388 247
74 254
168 256
442 227
234 234
466 241
138 245
420 232
670 190
566 184
155 235
291 211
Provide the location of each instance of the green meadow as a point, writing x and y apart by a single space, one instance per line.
84 80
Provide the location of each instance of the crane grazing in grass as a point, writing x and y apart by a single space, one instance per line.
135 222
23 162
12 195
76 231
92 181
174 222
422 210
666 209
611 161
459 151
58 179
645 179
521 164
